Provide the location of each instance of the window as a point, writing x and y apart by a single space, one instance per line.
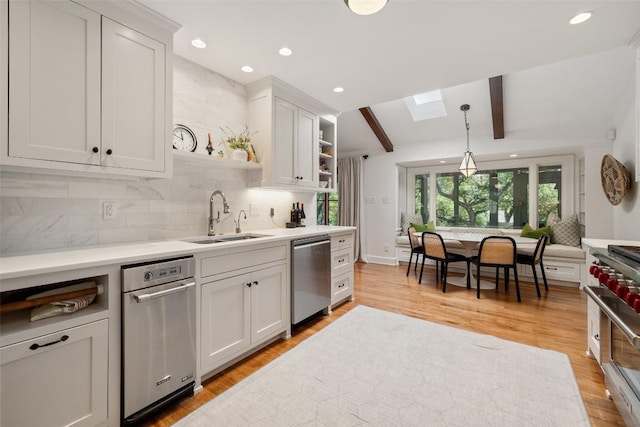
491 198
503 194
422 196
549 192
327 208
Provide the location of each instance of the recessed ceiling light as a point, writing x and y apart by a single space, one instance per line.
580 18
247 69
443 161
338 89
198 43
513 155
285 51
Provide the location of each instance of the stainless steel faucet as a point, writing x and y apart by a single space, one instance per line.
238 222
213 221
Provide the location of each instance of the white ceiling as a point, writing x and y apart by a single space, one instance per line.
414 46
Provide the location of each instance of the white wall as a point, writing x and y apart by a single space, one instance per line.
626 216
46 212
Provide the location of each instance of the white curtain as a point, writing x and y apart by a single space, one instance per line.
351 200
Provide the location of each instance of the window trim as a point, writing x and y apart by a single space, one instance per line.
567 200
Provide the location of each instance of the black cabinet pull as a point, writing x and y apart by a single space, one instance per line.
249 284
109 152
255 282
37 346
95 149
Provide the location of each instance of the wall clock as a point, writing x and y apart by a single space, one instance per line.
183 138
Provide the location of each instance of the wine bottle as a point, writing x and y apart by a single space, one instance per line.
302 215
293 213
297 221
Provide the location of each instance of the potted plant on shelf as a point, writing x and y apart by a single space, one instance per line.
239 144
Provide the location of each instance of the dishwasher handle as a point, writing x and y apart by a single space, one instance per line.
311 241
146 297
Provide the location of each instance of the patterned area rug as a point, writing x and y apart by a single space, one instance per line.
372 367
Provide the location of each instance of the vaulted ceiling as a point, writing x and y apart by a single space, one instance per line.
415 46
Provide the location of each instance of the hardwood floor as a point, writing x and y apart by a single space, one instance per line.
557 321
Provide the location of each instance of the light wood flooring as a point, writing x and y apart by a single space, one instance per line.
557 321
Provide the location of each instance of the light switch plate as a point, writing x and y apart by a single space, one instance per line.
109 210
254 209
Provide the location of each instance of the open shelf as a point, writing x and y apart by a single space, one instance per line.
205 160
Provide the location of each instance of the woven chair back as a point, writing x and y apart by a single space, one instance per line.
497 251
413 240
433 245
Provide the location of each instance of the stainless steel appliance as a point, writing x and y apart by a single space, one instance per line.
616 292
310 276
158 336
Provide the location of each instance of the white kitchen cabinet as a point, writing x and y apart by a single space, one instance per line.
59 379
244 302
240 312
342 286
88 94
133 99
287 123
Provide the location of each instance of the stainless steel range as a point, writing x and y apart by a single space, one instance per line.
615 287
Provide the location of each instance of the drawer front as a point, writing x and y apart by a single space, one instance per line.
341 262
222 263
344 240
562 271
341 287
593 328
64 372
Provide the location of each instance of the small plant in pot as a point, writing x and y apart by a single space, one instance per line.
240 144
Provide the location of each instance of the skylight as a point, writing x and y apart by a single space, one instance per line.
424 106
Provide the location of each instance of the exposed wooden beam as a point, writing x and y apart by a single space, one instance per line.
497 112
375 126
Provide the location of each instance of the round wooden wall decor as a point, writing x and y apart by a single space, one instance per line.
615 179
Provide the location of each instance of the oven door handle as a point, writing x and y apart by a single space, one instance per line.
146 297
631 336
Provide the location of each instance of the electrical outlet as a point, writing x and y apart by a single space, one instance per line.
386 248
272 212
254 209
109 210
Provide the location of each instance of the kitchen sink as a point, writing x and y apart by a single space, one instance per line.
225 238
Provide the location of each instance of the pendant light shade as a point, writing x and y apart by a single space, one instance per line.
365 7
468 166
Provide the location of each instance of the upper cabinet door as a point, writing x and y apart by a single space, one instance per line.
54 81
285 141
133 99
306 149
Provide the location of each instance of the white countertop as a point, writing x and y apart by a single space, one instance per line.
603 243
12 267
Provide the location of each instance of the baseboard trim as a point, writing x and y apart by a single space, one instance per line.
382 260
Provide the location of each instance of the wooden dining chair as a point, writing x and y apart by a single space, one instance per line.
498 252
435 249
534 259
416 248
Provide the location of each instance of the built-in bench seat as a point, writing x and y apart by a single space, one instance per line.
563 264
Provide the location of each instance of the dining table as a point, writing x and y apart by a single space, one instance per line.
469 241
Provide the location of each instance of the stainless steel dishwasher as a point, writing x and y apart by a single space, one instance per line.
310 276
158 336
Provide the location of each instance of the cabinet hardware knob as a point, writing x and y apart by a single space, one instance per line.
249 284
37 346
597 337
95 149
109 152
255 282
341 285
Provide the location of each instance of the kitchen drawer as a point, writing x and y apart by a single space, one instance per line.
341 262
344 240
225 262
341 287
559 270
59 379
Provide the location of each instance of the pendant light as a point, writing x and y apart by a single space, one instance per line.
365 7
468 166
